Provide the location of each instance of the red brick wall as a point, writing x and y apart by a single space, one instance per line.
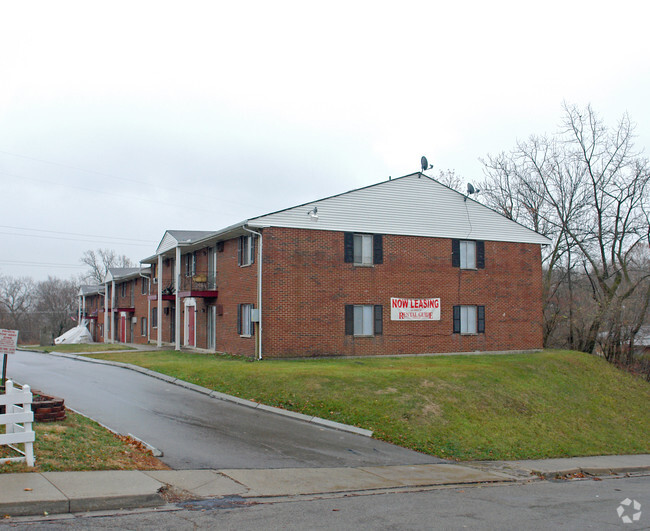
307 285
237 285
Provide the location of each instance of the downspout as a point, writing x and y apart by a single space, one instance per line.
259 292
177 312
160 302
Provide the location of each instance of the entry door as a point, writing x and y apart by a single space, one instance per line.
123 328
191 315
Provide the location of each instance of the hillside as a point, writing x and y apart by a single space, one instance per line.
514 406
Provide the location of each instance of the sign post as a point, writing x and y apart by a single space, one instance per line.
8 342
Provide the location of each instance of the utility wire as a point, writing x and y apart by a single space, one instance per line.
76 234
69 239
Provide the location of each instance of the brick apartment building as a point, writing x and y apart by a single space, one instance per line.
406 266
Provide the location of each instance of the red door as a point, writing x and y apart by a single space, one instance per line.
190 325
123 328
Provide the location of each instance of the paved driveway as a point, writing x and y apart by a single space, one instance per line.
193 430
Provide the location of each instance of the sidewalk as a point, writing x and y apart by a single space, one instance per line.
31 494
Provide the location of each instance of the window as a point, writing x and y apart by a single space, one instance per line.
469 319
190 264
363 249
363 320
123 289
246 253
244 322
144 286
212 268
143 326
468 254
154 317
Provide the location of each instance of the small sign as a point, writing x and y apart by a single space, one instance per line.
414 309
8 341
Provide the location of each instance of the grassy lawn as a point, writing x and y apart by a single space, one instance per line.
78 443
548 404
82 347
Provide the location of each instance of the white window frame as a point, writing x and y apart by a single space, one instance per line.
246 243
246 325
468 319
467 254
363 249
364 320
143 326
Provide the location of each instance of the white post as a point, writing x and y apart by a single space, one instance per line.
177 312
105 312
112 320
160 302
27 428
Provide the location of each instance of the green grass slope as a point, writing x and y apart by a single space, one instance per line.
519 406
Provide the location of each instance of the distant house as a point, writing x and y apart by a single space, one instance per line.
406 266
124 315
91 300
642 341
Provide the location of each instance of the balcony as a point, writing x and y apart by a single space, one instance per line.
201 284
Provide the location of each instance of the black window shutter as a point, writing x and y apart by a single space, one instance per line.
349 247
349 320
480 255
379 310
251 325
239 250
377 249
455 253
456 319
252 249
480 320
239 319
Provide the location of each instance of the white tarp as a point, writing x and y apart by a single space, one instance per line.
78 334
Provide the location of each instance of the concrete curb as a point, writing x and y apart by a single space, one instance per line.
221 396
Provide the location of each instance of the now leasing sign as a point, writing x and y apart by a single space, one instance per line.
414 309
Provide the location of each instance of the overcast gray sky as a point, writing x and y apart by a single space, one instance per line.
119 120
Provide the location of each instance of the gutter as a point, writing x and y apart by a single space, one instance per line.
259 291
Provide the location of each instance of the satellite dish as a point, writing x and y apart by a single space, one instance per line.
425 164
471 190
313 213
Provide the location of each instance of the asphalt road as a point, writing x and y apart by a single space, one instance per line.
584 504
195 431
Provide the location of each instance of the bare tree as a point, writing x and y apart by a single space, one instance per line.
450 179
16 300
100 261
587 189
56 304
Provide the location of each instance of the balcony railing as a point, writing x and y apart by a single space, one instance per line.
199 281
